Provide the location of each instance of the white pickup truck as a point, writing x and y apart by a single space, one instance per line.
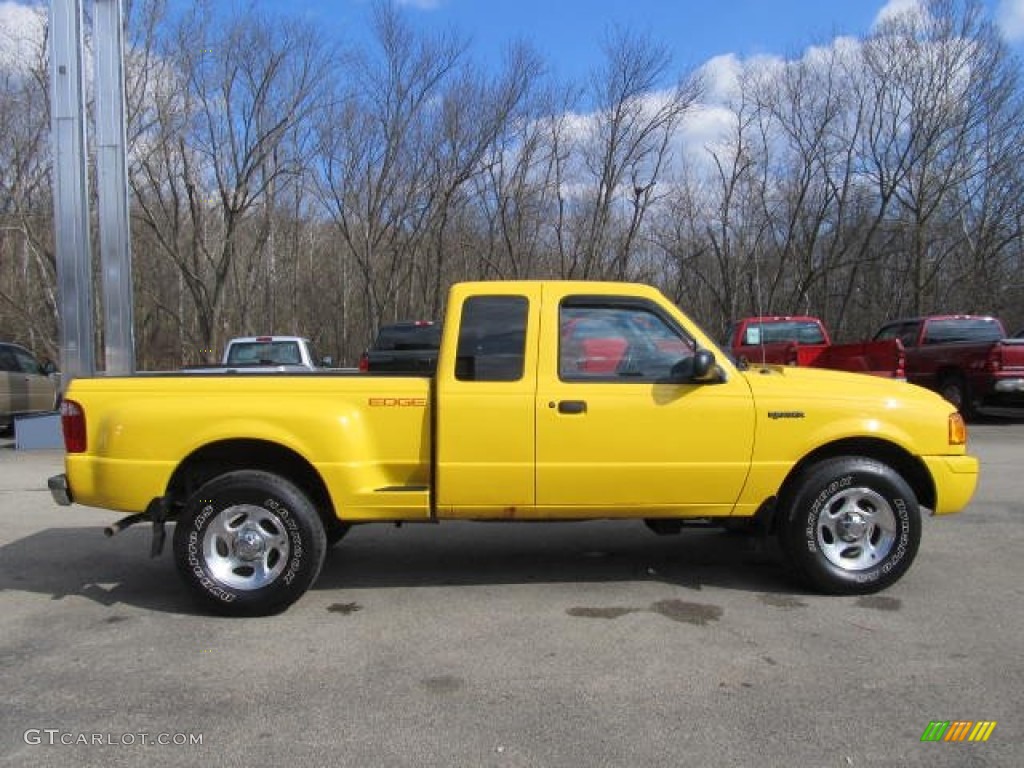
266 354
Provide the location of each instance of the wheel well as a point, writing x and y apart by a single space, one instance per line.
907 465
217 459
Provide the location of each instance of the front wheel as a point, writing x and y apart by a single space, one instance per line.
851 526
249 543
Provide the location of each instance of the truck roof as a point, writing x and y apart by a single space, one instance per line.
922 318
265 339
780 319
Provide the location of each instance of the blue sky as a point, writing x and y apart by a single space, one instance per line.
569 32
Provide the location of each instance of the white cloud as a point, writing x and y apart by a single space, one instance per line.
711 123
706 127
1010 18
721 77
896 8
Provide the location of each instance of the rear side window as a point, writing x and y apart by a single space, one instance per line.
492 339
905 332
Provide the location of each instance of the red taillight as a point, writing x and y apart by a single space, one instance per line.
364 363
72 421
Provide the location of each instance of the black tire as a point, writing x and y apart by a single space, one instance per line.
249 543
953 387
851 526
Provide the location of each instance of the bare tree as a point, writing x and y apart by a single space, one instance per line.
519 192
221 143
28 298
375 147
475 112
625 150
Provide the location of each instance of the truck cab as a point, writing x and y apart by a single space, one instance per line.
577 386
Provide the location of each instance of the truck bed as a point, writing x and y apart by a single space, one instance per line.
341 418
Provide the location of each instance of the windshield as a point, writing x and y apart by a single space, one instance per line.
408 336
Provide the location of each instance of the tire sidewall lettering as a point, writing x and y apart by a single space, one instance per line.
292 529
810 529
903 517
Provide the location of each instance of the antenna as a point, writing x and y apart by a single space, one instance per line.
759 306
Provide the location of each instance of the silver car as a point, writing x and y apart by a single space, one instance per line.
25 385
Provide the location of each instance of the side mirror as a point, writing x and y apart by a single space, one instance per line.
700 367
49 368
327 362
703 364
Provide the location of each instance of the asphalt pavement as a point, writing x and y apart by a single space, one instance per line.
462 644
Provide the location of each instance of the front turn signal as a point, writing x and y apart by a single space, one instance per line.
957 430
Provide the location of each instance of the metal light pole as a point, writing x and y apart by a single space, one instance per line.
71 199
112 178
70 190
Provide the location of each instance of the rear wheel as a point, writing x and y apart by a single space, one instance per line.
852 526
249 543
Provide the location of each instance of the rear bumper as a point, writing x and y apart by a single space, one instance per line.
1009 386
58 485
955 478
1007 393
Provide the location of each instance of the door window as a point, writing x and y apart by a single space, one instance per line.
27 363
626 343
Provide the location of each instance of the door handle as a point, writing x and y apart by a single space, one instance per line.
572 406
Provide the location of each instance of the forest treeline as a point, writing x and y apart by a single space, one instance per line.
283 182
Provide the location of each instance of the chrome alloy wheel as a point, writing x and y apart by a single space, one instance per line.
856 529
246 547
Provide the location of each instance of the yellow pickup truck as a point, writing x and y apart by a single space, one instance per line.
551 401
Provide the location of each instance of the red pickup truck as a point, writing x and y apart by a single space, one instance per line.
804 341
965 358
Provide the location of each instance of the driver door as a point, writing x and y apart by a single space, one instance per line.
618 429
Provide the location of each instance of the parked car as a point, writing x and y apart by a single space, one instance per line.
965 358
266 354
26 385
408 347
550 401
804 341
